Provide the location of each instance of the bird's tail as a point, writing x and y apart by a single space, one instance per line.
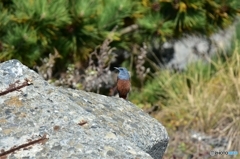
123 96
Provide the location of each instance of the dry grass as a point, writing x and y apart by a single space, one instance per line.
205 98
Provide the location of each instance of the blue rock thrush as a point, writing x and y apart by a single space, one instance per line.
123 82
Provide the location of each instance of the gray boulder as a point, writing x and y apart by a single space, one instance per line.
177 54
39 120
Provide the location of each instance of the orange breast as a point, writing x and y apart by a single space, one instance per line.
123 87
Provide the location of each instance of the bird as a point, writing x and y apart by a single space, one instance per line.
123 82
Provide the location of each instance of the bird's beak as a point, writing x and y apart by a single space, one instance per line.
116 68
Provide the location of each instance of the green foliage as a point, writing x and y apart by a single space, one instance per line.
31 29
22 38
173 18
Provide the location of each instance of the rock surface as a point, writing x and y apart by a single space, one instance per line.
179 53
38 120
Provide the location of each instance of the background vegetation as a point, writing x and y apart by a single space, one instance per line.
31 29
204 98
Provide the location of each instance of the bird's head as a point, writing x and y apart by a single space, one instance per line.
123 73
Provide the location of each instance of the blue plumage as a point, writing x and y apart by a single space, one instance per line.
123 73
123 82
